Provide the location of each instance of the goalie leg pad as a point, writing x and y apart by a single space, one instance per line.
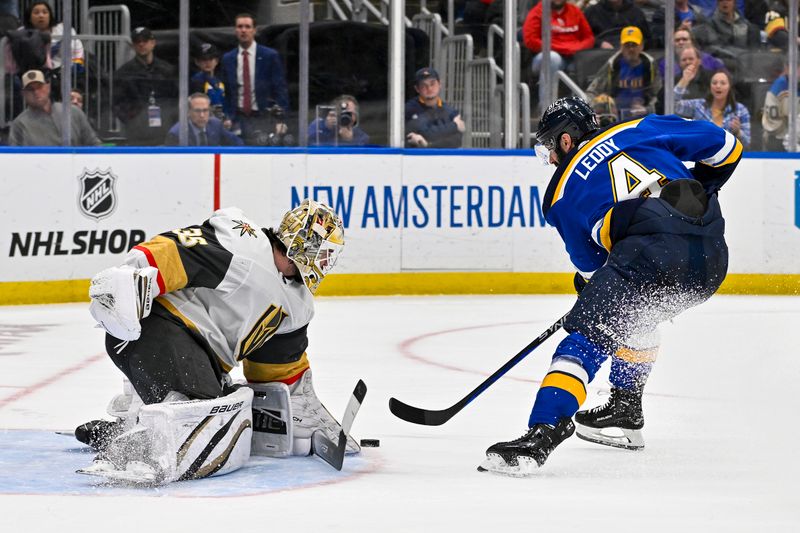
174 441
309 415
272 420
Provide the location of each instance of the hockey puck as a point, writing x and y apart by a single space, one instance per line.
370 443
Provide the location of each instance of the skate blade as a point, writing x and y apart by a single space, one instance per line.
495 464
626 439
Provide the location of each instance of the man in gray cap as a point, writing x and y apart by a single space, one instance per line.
146 93
40 123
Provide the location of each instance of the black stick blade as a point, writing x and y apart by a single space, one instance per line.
423 417
331 453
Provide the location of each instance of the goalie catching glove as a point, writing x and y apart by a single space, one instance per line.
121 297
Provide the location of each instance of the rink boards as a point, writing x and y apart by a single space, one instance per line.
433 222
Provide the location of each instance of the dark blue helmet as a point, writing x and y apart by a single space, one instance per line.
569 115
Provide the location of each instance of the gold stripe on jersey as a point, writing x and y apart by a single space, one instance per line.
168 261
264 372
637 356
266 326
605 231
174 311
584 149
567 383
734 156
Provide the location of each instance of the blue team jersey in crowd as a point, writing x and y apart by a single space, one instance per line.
629 160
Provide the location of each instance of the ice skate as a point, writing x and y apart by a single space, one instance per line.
523 456
123 459
98 433
618 423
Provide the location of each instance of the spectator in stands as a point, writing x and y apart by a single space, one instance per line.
775 119
682 38
204 129
570 33
9 16
339 125
39 16
606 110
206 81
608 17
719 106
9 8
776 23
431 123
256 96
695 78
146 93
708 6
687 16
76 98
727 34
629 77
40 123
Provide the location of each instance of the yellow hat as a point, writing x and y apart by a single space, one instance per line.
630 34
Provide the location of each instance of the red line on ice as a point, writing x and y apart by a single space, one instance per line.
405 348
52 379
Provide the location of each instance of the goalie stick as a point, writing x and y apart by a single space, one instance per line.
427 417
323 447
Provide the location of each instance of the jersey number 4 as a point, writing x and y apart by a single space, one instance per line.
630 179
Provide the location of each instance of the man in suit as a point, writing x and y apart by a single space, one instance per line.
256 96
204 130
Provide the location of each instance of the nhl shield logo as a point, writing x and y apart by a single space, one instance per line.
97 198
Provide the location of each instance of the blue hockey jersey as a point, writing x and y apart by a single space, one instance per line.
630 160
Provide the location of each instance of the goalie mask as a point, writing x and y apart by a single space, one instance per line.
314 237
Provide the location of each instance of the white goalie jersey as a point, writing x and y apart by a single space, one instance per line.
219 278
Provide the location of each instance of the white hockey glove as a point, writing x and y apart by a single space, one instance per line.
121 296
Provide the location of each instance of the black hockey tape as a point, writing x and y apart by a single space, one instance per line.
370 443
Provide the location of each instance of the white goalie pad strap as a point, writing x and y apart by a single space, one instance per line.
125 406
121 296
272 420
199 438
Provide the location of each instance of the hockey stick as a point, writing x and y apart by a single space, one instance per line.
323 447
426 417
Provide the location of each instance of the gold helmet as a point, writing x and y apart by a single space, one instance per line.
314 237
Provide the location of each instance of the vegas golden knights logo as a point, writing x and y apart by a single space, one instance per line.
266 326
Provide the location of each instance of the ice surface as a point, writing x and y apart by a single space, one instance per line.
721 428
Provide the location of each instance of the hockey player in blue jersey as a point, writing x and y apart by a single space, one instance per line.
646 235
